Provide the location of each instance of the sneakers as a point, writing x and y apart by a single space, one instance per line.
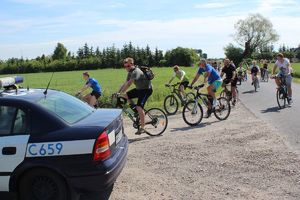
140 131
215 103
290 101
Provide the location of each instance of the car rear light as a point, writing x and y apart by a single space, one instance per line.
101 148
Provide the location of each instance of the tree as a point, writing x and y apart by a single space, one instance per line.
181 56
234 53
253 32
60 52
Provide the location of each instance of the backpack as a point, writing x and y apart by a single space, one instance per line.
147 72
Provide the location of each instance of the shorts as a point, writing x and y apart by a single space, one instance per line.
142 95
288 78
97 95
217 84
185 84
233 82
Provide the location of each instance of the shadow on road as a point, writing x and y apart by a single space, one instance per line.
141 139
187 128
274 109
249 92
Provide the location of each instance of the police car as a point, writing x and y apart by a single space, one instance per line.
54 146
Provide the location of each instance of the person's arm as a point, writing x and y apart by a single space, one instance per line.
171 80
85 87
274 69
207 74
126 86
233 75
195 79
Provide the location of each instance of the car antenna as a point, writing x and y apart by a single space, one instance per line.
45 92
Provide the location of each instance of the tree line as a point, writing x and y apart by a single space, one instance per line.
88 58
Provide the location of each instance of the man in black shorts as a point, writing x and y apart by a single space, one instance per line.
142 91
231 77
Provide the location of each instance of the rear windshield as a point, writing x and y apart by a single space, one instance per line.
67 107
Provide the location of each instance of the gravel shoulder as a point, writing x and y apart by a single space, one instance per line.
241 158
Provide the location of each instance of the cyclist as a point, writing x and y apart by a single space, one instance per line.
264 69
231 77
254 72
142 91
284 66
184 80
241 72
214 80
91 98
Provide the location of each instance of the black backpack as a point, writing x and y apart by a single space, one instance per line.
147 72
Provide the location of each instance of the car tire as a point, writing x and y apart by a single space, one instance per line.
43 184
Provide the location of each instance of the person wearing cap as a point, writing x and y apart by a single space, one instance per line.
214 81
93 97
285 70
183 80
142 91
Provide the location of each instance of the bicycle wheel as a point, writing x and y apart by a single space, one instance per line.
190 96
226 95
156 121
255 85
171 105
281 98
192 113
222 111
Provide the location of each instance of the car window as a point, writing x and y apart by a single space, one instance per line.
20 122
7 115
67 107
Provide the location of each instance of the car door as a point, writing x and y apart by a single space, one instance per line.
14 136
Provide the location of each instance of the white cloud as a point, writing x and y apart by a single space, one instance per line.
209 33
268 6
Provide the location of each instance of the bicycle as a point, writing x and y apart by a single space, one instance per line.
193 109
156 121
228 94
282 93
171 104
265 76
255 83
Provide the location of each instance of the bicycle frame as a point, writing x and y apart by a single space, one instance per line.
176 92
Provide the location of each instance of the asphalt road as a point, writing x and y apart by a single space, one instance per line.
264 105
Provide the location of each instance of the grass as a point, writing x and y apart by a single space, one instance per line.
296 67
109 79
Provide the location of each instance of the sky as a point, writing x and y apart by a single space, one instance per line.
30 28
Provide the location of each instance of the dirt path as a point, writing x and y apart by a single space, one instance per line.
241 158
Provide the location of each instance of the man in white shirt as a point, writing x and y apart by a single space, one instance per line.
284 66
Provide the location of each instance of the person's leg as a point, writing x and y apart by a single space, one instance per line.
142 99
92 101
182 92
86 98
289 86
277 81
211 91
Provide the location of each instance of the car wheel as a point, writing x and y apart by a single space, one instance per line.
42 184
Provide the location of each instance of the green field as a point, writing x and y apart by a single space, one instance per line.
110 80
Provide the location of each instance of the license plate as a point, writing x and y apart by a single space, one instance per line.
119 137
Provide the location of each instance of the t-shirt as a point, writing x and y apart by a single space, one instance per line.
254 69
228 71
179 75
283 66
214 75
140 81
94 85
